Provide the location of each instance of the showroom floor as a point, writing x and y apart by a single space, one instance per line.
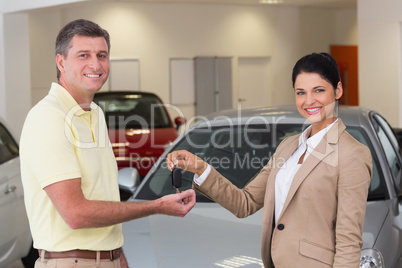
17 264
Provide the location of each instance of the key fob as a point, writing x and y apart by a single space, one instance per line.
176 178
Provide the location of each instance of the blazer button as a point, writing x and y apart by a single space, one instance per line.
281 227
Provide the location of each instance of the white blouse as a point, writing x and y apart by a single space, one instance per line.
287 172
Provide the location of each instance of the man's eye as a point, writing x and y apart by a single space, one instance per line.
102 56
82 55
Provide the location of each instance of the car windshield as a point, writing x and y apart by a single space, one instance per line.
8 146
138 111
238 153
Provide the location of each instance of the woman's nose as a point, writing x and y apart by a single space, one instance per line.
310 99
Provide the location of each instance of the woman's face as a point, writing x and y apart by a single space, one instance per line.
316 99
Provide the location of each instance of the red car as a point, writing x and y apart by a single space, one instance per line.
140 128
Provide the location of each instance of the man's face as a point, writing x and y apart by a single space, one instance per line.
86 67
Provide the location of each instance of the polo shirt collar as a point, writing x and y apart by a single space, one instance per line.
68 100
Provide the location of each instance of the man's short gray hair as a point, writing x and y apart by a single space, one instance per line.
79 27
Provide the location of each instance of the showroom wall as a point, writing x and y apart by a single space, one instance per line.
3 102
380 46
16 73
157 32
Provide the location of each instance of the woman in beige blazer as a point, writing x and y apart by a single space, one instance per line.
314 189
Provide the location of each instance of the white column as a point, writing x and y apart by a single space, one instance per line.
8 6
2 71
380 57
16 82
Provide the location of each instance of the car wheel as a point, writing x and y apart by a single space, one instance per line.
30 259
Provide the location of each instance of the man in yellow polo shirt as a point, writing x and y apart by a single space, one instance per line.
68 167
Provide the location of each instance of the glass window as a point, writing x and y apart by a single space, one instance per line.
377 190
139 111
390 147
8 147
238 153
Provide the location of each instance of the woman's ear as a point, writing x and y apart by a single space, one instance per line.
338 91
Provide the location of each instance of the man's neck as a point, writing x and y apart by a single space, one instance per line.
83 100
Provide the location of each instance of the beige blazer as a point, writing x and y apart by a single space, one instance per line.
322 219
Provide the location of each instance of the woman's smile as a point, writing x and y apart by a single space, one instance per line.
313 111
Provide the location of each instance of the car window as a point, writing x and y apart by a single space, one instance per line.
239 154
133 111
390 147
377 190
8 147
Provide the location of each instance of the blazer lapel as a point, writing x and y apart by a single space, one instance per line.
322 153
283 155
279 158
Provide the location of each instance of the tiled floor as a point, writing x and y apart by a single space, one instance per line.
17 264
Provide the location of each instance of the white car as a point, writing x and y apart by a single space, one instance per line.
238 144
15 236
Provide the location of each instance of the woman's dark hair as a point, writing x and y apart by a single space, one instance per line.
79 27
320 63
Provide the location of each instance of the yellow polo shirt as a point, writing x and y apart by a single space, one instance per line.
61 141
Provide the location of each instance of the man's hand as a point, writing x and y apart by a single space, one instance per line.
177 204
186 161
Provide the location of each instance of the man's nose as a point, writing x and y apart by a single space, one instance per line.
94 64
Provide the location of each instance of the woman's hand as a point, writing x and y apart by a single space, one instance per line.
187 161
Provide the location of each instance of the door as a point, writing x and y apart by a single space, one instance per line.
253 82
12 211
213 84
346 57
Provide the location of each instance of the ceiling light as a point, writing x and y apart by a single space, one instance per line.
271 1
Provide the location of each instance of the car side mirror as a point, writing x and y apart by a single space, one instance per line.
179 121
129 180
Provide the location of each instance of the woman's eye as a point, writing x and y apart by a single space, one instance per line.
300 93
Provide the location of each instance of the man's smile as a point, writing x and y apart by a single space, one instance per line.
93 75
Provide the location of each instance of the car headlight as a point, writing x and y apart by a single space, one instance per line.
371 258
167 145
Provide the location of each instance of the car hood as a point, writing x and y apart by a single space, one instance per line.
219 240
210 236
376 213
138 138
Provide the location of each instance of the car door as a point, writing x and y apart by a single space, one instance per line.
389 241
12 211
390 146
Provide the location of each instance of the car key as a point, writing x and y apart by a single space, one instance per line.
176 179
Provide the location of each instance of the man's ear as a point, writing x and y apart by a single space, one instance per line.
60 62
